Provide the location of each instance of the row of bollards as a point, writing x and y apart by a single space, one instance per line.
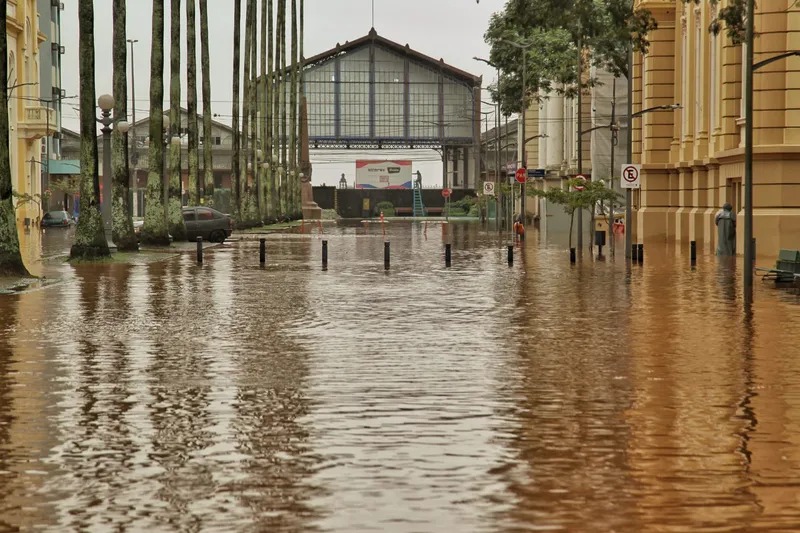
262 253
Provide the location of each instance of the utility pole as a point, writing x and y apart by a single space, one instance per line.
748 156
614 133
629 151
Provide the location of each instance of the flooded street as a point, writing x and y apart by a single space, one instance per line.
478 398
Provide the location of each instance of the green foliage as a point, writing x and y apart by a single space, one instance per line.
25 198
571 199
731 16
386 207
555 30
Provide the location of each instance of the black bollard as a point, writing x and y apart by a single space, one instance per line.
199 249
572 257
510 254
386 255
262 251
447 255
324 254
693 251
640 254
634 253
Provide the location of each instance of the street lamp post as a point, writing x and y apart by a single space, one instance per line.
523 156
497 138
106 104
629 192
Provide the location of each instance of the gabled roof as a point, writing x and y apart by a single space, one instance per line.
185 111
373 38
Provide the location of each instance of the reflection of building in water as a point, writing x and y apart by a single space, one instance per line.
712 423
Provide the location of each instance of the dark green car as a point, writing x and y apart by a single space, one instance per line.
207 223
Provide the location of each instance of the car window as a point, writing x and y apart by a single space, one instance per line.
205 214
47 216
188 216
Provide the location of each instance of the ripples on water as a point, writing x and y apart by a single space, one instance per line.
171 396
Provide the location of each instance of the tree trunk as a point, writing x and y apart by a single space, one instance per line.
277 140
205 60
266 147
155 230
122 212
571 223
285 176
191 102
269 146
237 33
247 169
90 240
294 178
10 257
175 200
256 186
300 93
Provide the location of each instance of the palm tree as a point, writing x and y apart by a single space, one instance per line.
254 189
277 140
237 35
246 164
266 67
122 213
191 101
285 180
205 60
90 240
10 257
269 151
293 176
154 230
174 214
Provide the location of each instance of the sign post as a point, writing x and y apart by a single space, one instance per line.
446 195
488 188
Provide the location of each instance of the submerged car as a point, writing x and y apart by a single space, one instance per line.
208 223
57 219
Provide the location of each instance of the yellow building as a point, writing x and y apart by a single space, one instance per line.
693 157
29 118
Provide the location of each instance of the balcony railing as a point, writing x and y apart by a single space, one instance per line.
37 122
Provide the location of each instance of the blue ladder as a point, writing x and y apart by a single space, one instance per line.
419 208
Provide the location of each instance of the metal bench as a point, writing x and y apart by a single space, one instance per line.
787 268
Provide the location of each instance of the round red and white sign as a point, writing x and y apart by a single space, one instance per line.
582 178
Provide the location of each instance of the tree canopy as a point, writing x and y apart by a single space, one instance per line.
553 31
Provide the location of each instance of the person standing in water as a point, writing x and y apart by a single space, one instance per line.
726 230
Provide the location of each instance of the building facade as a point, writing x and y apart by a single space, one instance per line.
693 158
29 119
50 90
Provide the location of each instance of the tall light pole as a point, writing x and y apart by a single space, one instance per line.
524 104
497 137
134 154
106 104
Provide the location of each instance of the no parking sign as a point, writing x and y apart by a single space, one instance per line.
631 177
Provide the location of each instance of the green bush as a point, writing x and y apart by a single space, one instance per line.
385 206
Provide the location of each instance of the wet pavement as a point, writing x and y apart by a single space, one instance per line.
169 396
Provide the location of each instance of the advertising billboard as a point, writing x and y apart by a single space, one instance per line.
383 174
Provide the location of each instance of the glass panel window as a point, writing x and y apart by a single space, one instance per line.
205 214
188 216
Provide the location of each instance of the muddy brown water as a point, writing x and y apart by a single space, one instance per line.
232 397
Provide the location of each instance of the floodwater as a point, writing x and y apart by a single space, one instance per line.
478 398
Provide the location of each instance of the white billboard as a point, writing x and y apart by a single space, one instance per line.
383 174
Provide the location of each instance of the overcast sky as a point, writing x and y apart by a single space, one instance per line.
448 29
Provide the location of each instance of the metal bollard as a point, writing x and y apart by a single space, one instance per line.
640 254
634 253
510 254
199 249
693 251
262 251
572 255
447 255
386 255
324 254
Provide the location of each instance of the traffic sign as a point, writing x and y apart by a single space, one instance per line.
446 192
631 177
521 175
536 172
488 188
582 178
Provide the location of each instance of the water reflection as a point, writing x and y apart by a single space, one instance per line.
481 397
